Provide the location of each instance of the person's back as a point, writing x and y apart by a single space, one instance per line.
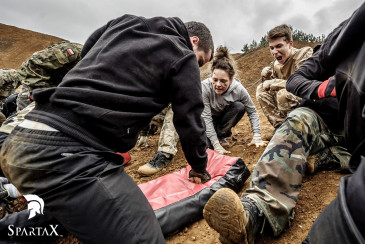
46 68
120 79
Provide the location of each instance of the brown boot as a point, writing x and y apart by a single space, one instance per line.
323 160
237 220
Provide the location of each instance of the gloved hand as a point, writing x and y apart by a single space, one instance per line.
257 141
218 148
7 189
199 177
327 88
142 142
266 73
266 85
4 180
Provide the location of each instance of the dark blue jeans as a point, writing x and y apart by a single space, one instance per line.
85 189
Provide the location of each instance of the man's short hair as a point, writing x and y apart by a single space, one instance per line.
205 38
280 31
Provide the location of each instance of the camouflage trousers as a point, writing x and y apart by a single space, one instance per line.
276 104
277 177
11 122
168 136
23 99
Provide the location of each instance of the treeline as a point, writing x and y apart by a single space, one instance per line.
298 35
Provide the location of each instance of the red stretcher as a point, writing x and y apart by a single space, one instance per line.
178 202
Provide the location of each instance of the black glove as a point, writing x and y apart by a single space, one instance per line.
204 177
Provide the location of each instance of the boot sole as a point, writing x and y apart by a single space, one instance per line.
224 213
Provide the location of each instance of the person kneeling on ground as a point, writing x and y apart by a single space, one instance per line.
225 102
220 117
276 102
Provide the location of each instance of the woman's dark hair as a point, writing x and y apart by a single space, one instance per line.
222 60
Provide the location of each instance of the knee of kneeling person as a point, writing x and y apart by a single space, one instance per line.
237 106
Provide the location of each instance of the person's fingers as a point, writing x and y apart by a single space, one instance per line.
196 180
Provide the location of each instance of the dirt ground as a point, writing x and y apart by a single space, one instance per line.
317 190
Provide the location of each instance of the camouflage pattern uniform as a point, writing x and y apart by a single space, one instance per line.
46 68
277 102
11 122
277 176
9 82
168 136
158 119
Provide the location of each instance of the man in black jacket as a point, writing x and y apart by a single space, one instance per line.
342 56
65 150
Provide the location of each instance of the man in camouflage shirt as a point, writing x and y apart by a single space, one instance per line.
46 68
274 99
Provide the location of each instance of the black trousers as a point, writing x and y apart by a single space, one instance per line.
85 189
230 117
224 123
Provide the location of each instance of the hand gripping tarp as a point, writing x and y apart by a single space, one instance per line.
178 202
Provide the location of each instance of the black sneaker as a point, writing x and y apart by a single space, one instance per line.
157 163
237 220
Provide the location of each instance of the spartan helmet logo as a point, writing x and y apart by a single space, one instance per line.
35 205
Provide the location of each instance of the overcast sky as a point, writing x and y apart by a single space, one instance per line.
232 22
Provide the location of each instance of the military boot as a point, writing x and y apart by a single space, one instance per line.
323 160
237 220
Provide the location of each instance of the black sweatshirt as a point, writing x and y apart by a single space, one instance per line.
301 84
131 69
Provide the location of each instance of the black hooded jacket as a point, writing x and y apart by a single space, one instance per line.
131 68
342 55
